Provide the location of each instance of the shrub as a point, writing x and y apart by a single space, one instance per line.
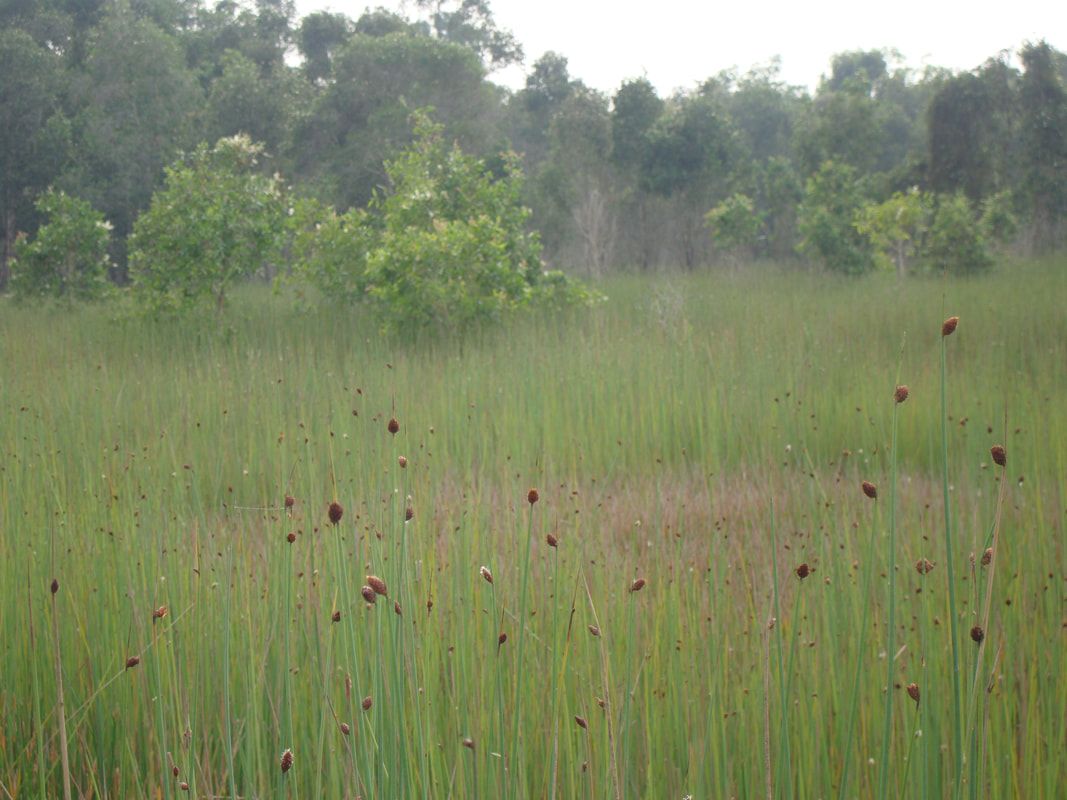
216 220
68 258
956 242
735 224
832 200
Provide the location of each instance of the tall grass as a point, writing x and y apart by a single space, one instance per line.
659 428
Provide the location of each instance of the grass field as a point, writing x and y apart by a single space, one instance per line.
705 435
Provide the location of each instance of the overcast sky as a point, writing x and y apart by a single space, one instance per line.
676 44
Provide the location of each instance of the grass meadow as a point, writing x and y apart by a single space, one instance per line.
172 626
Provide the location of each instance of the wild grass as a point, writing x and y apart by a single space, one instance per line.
145 465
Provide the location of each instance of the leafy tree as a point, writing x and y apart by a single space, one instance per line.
329 251
454 249
832 199
243 100
735 225
470 23
34 134
1043 100
956 242
68 258
216 220
895 227
635 110
320 36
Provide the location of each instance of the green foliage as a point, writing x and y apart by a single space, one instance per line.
998 219
956 241
215 221
453 249
734 223
895 227
832 200
329 250
68 258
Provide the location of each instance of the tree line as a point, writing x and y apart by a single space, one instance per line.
880 166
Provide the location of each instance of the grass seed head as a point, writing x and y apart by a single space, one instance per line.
367 703
159 613
593 629
923 566
346 729
977 634
55 586
468 743
409 513
184 786
803 571
336 616
552 540
368 594
132 662
987 557
949 326
396 608
913 692
378 585
503 637
532 496
581 722
403 462
638 585
485 573
900 394
394 426
870 490
287 760
290 501
290 537
1000 455
336 511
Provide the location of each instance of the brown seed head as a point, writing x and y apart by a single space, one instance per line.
1000 455
368 594
346 728
396 608
468 743
803 571
55 586
977 634
184 786
159 613
335 512
923 566
552 540
581 722
913 691
532 496
593 629
290 501
173 768
290 537
485 573
949 326
870 489
132 662
987 557
367 703
638 585
409 514
336 616
378 585
403 462
503 637
394 426
900 394
287 760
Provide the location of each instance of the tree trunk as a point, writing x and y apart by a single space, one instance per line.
8 248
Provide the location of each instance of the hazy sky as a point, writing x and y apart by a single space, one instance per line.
676 44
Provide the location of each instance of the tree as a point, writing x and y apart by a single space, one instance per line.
956 242
243 100
1043 100
895 227
320 36
68 258
635 109
34 134
832 199
454 249
735 225
216 220
470 23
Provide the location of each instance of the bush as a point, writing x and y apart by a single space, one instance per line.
832 201
735 224
956 242
447 245
329 250
216 220
68 259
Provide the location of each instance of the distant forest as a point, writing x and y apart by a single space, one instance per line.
97 97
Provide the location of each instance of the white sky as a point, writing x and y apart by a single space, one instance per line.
676 44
